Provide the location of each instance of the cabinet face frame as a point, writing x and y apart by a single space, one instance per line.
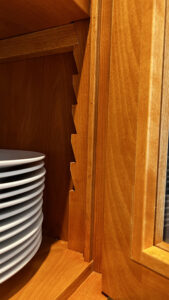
147 246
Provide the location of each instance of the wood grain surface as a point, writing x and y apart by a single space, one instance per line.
46 42
163 147
22 17
36 97
79 140
152 61
122 277
94 35
148 127
54 273
163 245
102 110
90 289
84 5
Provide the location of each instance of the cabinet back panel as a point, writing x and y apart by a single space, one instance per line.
36 98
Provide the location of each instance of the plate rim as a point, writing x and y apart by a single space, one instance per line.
16 183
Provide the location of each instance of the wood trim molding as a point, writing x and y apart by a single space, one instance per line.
102 117
46 42
92 125
156 259
79 140
163 146
149 106
144 250
163 245
85 87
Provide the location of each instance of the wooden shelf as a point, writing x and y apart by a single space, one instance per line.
20 17
90 289
54 273
56 40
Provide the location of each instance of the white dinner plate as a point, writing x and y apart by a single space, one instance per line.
17 157
22 198
8 255
19 228
19 257
24 179
14 171
20 265
9 212
20 218
25 188
21 237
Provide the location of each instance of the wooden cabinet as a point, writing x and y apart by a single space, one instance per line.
135 257
47 96
86 82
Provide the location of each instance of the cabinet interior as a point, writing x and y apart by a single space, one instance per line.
44 97
36 115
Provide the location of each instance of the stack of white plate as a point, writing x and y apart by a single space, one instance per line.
22 176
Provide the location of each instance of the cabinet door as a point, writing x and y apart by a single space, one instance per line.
135 257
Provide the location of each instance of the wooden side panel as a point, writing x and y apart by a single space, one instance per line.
85 115
36 98
94 35
103 93
122 277
79 140
20 17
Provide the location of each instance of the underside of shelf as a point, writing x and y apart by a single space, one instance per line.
54 273
20 17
